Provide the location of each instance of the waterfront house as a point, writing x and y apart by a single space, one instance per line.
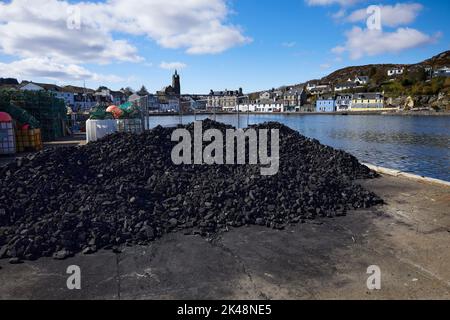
326 104
367 101
199 102
344 102
168 103
295 98
221 100
264 106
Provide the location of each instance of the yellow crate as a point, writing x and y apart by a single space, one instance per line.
29 140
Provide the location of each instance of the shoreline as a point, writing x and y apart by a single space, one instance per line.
349 113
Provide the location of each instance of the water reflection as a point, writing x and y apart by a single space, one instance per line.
420 145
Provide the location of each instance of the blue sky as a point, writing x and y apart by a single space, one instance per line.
215 44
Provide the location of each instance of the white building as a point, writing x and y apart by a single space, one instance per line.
310 86
442 72
344 102
58 92
170 105
84 99
265 95
395 72
321 89
344 86
361 80
262 106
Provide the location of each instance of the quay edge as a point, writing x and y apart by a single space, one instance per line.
398 173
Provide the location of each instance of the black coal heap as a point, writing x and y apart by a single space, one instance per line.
125 190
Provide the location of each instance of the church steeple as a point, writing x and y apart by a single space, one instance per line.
176 83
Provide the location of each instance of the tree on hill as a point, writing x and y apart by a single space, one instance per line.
143 91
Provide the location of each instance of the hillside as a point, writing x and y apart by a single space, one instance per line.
439 61
378 72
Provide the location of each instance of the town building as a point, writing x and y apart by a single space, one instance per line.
273 95
56 91
347 86
395 72
295 98
266 95
170 104
103 96
263 106
311 86
172 90
321 89
83 98
199 103
148 102
225 100
350 84
364 101
118 97
169 97
442 72
361 80
344 102
326 103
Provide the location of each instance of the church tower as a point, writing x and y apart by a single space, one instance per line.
176 83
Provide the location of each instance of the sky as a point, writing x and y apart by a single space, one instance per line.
214 44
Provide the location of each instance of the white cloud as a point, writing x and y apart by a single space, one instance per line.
289 44
325 66
199 26
363 42
38 29
172 65
343 3
340 14
34 29
391 16
338 50
48 69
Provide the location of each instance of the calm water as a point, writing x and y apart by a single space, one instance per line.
419 145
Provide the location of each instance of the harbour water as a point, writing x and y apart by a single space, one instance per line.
414 144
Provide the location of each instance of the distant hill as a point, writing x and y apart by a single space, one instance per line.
378 73
439 61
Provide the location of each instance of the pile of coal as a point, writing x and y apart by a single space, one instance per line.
125 190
